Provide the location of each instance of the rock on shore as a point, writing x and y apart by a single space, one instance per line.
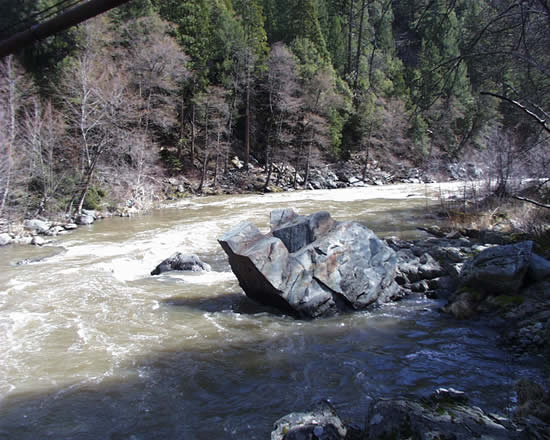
312 266
445 414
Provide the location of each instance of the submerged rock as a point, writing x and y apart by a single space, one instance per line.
446 414
312 266
181 262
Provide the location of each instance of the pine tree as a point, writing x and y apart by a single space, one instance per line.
254 55
192 18
304 23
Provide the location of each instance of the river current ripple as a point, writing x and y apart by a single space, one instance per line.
92 347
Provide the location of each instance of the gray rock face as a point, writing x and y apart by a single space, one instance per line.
321 423
55 230
499 269
84 219
412 268
182 262
444 415
312 266
5 239
36 225
90 212
539 268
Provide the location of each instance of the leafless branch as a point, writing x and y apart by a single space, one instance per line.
538 119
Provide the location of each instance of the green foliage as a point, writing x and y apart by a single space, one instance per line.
132 10
171 160
337 121
193 30
508 300
228 40
347 63
336 44
250 15
310 60
287 20
94 198
42 58
419 134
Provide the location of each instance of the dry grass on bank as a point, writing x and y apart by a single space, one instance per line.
478 208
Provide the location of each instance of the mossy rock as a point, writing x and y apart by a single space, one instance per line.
471 294
507 301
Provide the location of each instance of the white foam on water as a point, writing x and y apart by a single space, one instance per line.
214 321
136 258
351 194
201 278
18 285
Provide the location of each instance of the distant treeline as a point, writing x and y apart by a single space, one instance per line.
100 113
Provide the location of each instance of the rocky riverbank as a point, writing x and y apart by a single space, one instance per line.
445 414
505 285
38 231
235 181
331 176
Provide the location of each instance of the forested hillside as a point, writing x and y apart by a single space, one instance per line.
103 113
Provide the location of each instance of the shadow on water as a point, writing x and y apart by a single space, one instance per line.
229 302
192 393
237 386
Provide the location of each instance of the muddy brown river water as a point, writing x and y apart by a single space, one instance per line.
93 347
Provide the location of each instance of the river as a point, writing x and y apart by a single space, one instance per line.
93 347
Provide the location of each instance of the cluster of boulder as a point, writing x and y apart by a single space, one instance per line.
445 414
285 177
35 231
312 266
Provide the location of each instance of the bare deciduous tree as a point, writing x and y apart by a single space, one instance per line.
93 92
42 132
8 107
280 86
214 114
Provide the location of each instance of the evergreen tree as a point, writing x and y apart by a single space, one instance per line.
304 23
251 17
253 57
193 30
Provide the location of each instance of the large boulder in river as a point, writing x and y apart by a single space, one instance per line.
312 266
505 278
181 262
500 269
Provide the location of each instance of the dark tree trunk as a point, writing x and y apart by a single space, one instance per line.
359 47
350 36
